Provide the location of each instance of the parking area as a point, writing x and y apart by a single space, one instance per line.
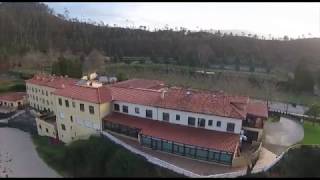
283 134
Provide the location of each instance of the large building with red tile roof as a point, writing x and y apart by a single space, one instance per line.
198 124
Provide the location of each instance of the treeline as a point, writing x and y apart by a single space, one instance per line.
26 27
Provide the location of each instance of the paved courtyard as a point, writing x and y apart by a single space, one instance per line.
18 156
280 135
285 133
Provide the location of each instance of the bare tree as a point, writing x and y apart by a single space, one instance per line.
94 62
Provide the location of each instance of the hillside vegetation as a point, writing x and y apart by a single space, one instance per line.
96 157
33 34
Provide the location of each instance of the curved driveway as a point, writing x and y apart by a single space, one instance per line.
286 132
18 156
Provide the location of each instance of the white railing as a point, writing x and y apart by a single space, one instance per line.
167 165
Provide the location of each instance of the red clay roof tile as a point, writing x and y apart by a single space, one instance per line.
222 141
13 96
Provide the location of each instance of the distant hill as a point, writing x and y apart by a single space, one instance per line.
26 27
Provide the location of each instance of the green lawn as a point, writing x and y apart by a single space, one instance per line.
11 85
274 118
311 133
96 157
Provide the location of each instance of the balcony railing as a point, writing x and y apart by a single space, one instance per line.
253 124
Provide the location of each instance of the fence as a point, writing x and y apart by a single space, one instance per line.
167 165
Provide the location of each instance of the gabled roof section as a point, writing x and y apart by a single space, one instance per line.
13 96
89 94
196 101
56 82
258 109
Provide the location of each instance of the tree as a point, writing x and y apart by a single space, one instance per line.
237 64
314 112
303 79
94 62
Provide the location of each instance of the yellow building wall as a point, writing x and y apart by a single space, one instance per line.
83 124
44 127
45 99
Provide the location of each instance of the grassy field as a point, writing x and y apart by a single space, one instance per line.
239 83
96 157
11 85
311 133
274 118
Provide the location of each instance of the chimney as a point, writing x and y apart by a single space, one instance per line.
163 93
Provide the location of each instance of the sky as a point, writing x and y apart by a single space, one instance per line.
278 19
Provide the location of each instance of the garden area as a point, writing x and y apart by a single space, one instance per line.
96 157
311 133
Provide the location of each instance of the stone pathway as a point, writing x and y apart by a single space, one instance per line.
266 157
18 156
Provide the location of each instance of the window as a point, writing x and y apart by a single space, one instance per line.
124 109
165 116
47 130
167 146
191 121
91 109
178 149
149 113
71 118
178 117
218 123
136 110
32 89
47 102
60 101
46 93
202 154
190 151
210 122
82 107
73 104
40 126
230 127
116 107
42 92
201 122
63 127
61 115
11 104
67 103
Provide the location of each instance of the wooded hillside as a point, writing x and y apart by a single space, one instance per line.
32 29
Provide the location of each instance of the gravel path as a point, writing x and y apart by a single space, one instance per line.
18 156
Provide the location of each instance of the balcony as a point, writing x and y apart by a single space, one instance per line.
253 123
48 117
